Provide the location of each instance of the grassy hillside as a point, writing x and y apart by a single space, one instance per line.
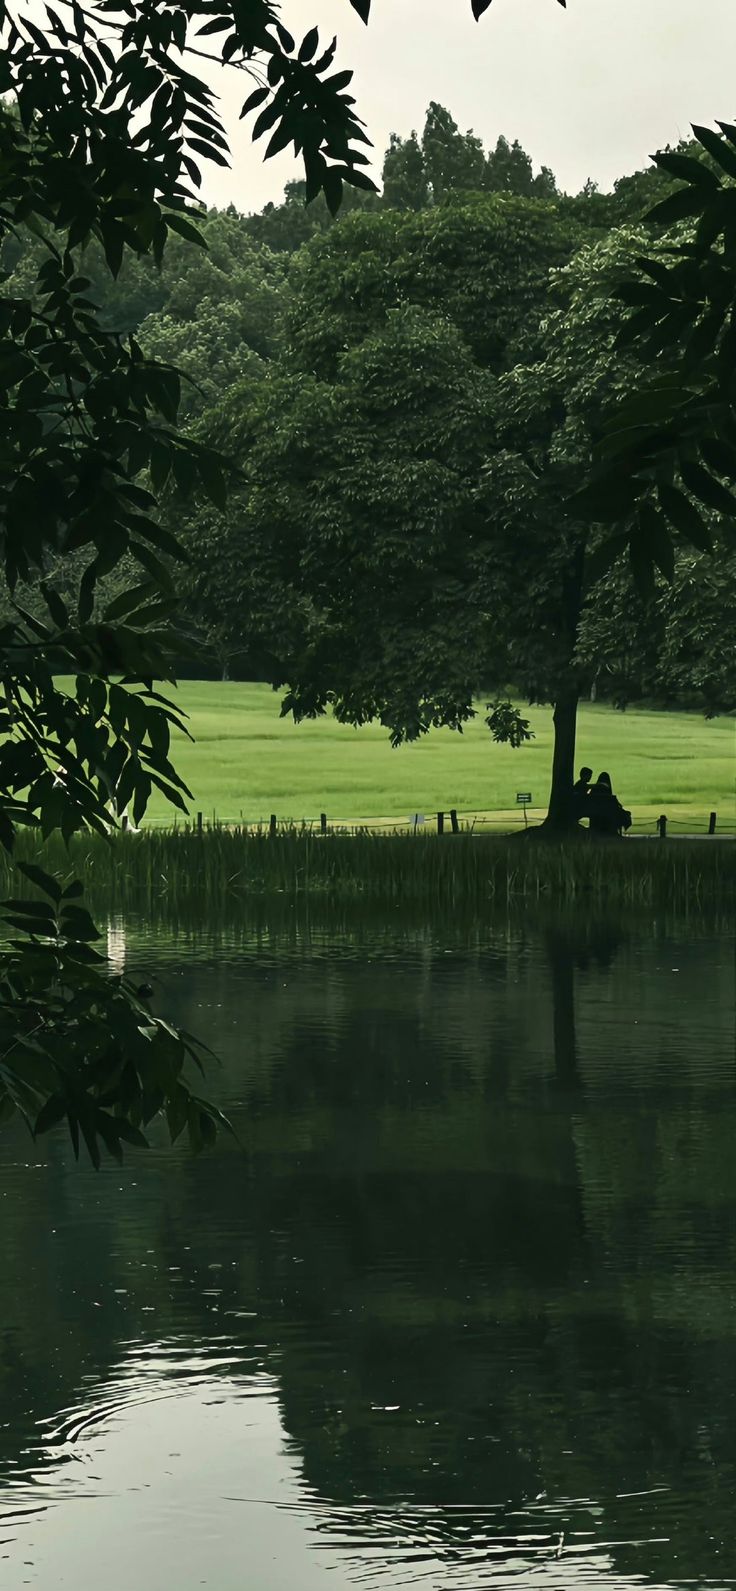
249 762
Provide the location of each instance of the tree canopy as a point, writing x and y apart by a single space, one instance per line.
446 162
670 452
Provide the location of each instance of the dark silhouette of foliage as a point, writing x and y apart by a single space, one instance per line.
668 458
100 151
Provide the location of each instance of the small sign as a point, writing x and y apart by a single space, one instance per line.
523 798
417 818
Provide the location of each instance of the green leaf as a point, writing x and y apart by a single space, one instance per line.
210 151
325 61
656 540
141 798
41 879
128 601
642 566
719 456
677 206
50 1115
14 365
22 915
718 147
283 136
602 558
646 294
258 97
358 179
177 1108
687 168
653 406
309 45
158 537
185 228
164 389
56 607
147 558
218 25
160 465
212 478
332 188
73 891
709 491
607 498
702 340
76 923
685 517
130 1134
26 925
87 587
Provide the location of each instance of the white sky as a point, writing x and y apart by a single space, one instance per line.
591 91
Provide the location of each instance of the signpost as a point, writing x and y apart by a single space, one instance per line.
524 799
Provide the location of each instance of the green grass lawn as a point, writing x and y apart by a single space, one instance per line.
247 762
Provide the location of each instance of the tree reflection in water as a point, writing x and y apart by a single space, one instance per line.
481 1242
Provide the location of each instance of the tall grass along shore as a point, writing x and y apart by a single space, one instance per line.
133 869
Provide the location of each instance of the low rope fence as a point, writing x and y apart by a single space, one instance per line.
449 821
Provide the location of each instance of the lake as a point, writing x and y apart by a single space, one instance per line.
458 1308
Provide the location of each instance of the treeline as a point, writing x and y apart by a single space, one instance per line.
409 396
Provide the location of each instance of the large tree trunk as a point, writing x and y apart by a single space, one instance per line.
560 814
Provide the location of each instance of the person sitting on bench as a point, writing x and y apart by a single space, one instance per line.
580 793
606 814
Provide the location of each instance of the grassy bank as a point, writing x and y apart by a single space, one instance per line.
247 762
225 865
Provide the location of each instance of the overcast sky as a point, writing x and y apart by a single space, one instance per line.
591 91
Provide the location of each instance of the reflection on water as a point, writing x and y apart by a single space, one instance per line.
460 1310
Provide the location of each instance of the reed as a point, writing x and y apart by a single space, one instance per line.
132 871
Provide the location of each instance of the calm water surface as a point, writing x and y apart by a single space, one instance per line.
459 1311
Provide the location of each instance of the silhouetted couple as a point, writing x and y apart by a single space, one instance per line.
599 805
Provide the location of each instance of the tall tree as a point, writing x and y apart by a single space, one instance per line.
405 180
454 162
509 170
446 164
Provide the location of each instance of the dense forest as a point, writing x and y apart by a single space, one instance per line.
408 395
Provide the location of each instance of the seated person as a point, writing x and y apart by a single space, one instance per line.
580 793
607 816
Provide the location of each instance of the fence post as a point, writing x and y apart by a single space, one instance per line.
453 821
440 822
272 826
712 823
323 823
199 824
662 826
